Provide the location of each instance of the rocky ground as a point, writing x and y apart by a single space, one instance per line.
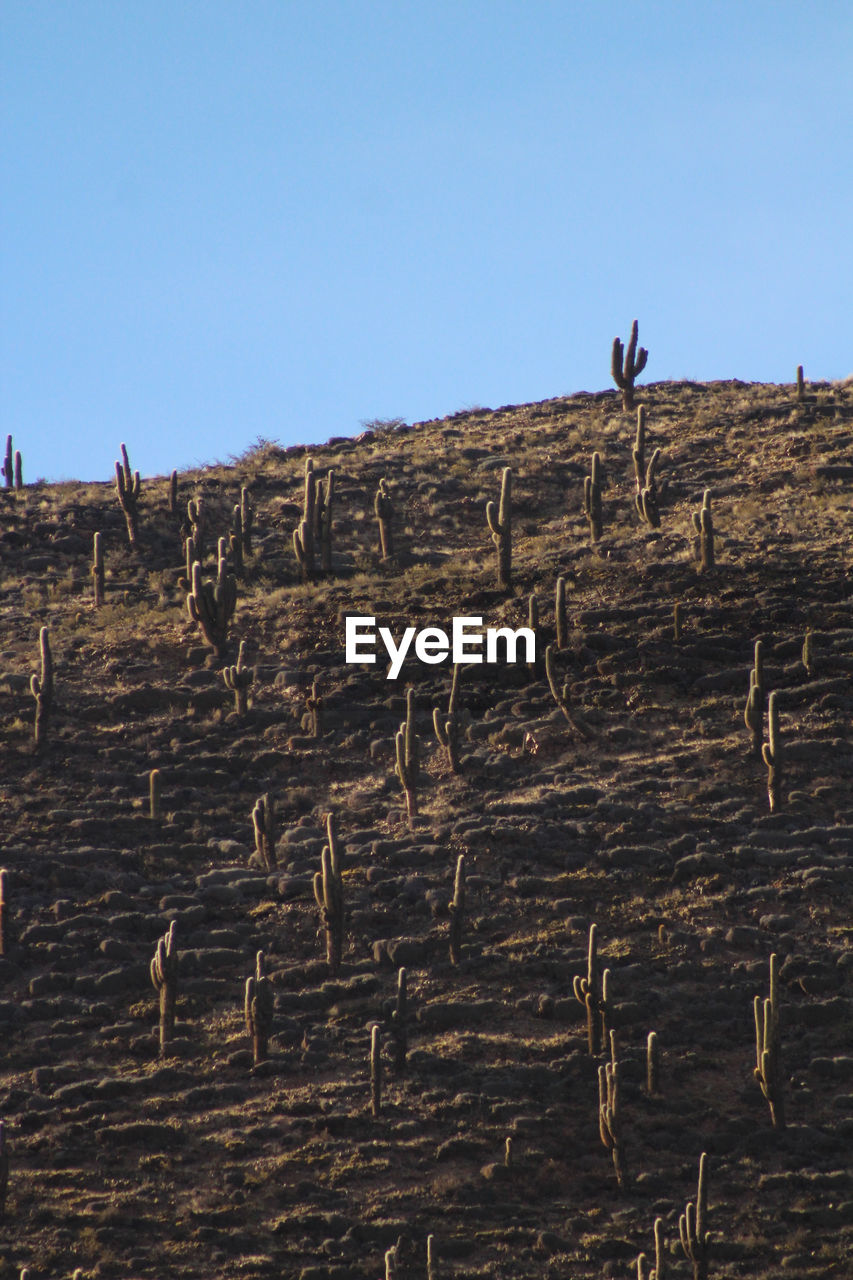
655 826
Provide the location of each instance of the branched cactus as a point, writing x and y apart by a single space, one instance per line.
198 524
768 1057
592 498
610 1112
329 895
658 1271
457 911
266 831
239 680
128 486
304 533
259 1010
155 798
384 511
588 992
499 520
211 604
407 758
447 727
41 687
561 695
753 713
692 1226
98 571
703 527
325 505
164 976
772 754
315 707
375 1072
625 366
399 1024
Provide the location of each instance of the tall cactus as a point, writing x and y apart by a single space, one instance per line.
325 505
703 527
499 520
128 486
447 727
610 1113
407 758
588 992
304 533
399 1024
173 494
164 977
646 497
198 525
692 1226
41 687
561 619
384 511
98 571
592 498
259 1010
247 521
772 753
239 680
658 1271
265 831
768 1060
8 471
211 604
753 712
625 366
155 795
329 895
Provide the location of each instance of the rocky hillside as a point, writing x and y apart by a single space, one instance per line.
636 799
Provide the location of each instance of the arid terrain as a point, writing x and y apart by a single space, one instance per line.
643 809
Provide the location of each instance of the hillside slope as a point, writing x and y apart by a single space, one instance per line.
648 815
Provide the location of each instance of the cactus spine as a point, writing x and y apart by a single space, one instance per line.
164 976
625 366
128 486
407 758
212 605
239 680
772 753
692 1226
457 911
753 713
266 834
610 1112
329 895
41 687
384 511
592 498
588 992
499 520
768 1064
703 525
98 571
259 1010
447 729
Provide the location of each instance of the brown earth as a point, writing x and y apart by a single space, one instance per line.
657 828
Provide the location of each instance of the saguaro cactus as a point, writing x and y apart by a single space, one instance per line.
610 1112
315 706
259 1010
303 534
41 687
561 619
657 1272
703 526
625 366
772 753
211 604
325 503
266 832
457 911
155 807
128 487
164 976
8 472
384 510
652 1064
329 895
592 498
239 680
407 758
499 520
447 727
692 1226
98 571
198 524
768 1060
753 713
588 992
19 472
801 386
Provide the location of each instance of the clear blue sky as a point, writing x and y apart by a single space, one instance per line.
228 220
